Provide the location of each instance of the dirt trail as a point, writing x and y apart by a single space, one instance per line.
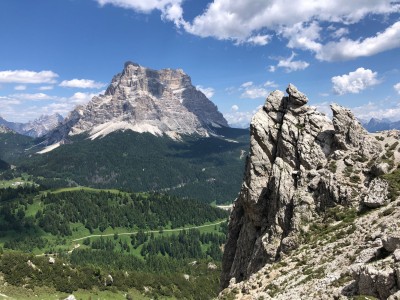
148 231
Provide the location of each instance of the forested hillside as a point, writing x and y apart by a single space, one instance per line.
146 242
208 169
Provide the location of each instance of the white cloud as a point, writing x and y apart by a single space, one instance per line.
247 84
378 110
290 65
6 101
260 40
251 91
238 20
271 69
397 87
25 76
20 87
303 36
340 32
248 21
270 83
82 98
324 107
346 49
171 10
354 82
15 109
33 97
208 91
240 119
82 83
45 88
235 107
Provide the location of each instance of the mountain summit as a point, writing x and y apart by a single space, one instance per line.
145 100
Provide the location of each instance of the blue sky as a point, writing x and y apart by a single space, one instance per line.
55 55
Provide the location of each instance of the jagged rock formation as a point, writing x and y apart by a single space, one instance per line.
300 166
144 100
37 127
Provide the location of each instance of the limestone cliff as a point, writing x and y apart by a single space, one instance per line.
301 165
161 102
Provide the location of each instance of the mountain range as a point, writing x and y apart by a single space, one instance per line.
152 130
35 128
375 125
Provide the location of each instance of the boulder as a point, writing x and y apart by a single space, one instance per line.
376 283
391 241
377 194
380 169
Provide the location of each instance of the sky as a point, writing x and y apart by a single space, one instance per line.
56 54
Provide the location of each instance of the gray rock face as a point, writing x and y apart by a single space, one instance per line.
145 100
377 283
295 170
391 242
377 194
35 128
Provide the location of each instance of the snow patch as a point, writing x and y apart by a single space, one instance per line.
104 129
49 148
232 141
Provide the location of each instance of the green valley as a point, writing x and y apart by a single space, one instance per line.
150 244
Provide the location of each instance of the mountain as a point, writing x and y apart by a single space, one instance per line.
140 99
5 129
317 214
375 125
42 125
37 127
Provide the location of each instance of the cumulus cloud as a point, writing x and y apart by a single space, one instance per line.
397 87
259 39
14 107
82 84
25 76
255 22
247 84
171 10
354 82
33 97
303 36
378 110
251 91
340 32
270 83
346 49
20 87
208 91
241 18
45 88
290 65
240 119
235 107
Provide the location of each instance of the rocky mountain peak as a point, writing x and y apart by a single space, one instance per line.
145 100
300 165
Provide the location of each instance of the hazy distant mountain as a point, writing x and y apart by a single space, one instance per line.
375 125
35 128
161 102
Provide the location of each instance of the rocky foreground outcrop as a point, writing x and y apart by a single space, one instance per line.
306 207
